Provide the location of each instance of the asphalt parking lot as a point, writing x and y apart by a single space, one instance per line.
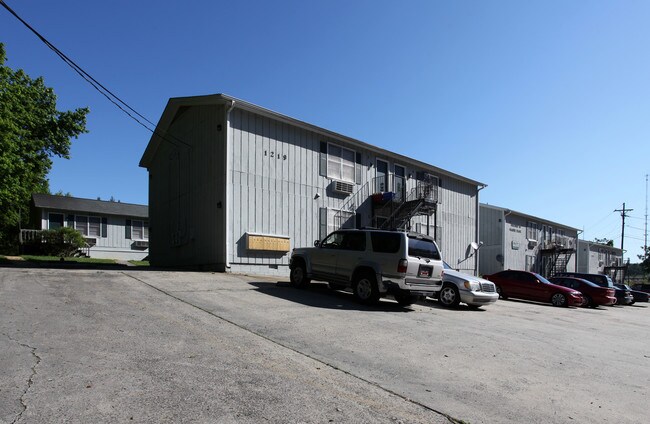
150 346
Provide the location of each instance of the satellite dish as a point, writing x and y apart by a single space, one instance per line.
474 245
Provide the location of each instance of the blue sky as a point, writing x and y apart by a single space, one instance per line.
547 102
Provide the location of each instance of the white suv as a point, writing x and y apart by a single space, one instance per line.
373 263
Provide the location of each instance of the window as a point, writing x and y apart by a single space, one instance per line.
423 247
55 220
88 226
531 231
530 263
94 226
337 220
139 230
340 163
333 241
385 242
354 241
81 224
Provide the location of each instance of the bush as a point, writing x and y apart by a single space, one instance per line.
63 241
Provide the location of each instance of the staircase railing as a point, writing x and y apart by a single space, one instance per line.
424 192
350 206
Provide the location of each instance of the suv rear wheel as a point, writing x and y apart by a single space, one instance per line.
365 289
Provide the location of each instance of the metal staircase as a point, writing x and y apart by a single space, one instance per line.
391 210
396 210
558 259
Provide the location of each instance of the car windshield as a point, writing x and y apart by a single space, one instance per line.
542 279
445 265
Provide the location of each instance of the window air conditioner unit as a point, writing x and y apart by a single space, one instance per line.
342 188
141 243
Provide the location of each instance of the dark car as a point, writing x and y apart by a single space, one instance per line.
532 286
593 294
623 295
642 287
600 279
637 296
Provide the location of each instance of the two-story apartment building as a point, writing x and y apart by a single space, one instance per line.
594 258
234 187
514 240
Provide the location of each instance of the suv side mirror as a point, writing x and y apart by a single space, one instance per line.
316 243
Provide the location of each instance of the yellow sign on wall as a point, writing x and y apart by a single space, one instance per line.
267 243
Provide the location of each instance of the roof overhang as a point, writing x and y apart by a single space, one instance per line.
174 105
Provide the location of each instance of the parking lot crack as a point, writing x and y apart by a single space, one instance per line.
275 342
30 380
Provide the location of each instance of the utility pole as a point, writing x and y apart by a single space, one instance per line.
623 216
645 233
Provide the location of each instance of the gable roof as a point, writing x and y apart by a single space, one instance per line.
179 104
529 217
101 207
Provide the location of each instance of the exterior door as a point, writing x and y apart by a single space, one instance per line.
382 176
400 182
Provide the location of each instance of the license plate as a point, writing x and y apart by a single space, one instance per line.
425 271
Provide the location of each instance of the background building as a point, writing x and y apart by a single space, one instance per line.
596 258
513 240
233 186
112 230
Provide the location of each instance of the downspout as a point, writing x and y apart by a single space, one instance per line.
577 249
478 223
503 238
228 189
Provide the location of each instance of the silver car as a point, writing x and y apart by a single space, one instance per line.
459 287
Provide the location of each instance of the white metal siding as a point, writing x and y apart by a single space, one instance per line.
492 228
275 179
186 185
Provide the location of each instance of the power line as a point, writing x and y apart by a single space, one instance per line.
598 222
623 216
112 97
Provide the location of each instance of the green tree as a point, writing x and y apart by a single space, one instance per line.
645 260
32 131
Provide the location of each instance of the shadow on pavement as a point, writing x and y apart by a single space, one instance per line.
67 264
319 295
434 304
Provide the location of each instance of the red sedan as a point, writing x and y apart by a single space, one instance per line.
594 294
532 286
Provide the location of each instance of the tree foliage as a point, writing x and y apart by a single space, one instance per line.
64 241
32 131
645 259
605 241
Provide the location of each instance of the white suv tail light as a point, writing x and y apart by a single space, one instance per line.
402 265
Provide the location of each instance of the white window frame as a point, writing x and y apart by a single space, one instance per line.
334 226
531 260
86 230
99 226
49 214
531 230
143 227
77 225
338 162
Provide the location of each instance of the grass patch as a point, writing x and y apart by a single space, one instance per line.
139 263
32 258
